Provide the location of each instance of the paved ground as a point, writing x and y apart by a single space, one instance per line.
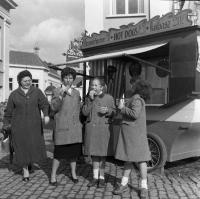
181 180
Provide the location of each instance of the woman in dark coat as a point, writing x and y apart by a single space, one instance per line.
68 129
98 108
132 143
23 114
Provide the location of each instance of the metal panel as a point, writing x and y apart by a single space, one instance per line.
183 56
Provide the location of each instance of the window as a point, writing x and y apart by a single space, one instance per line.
35 82
125 7
10 84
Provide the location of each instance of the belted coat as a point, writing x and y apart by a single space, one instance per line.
98 126
67 125
132 142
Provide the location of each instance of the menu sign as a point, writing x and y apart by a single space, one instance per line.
155 25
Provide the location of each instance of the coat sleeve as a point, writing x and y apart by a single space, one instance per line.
134 110
111 107
87 107
56 101
8 111
43 103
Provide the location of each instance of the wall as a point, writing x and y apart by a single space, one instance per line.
160 7
4 47
93 15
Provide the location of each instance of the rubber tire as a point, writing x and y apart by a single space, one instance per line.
162 149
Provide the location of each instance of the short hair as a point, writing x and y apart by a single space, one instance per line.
22 74
142 88
68 71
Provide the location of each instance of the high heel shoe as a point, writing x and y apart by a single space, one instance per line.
25 179
74 180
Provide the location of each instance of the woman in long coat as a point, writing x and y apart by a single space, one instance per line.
132 143
98 108
68 128
23 114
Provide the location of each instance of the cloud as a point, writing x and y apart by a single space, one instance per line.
52 32
51 24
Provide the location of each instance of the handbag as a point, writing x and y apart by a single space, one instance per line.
5 141
5 145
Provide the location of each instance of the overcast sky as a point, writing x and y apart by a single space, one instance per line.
50 24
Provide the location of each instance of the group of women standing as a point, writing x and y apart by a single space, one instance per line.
23 115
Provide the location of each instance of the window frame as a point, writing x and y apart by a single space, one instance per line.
10 84
126 14
35 83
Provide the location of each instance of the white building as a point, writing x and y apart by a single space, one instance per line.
105 14
41 74
5 22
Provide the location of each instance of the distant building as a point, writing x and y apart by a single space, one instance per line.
5 22
43 76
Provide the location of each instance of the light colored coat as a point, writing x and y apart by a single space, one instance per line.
98 126
132 142
68 128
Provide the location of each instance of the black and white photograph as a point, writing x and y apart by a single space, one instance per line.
100 99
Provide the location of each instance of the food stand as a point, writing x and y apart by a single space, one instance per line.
165 52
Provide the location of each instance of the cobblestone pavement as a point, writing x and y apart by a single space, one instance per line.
181 180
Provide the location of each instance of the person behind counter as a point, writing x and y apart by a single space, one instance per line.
132 143
23 116
66 105
98 108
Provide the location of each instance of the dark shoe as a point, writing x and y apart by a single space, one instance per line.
74 180
120 189
25 179
93 183
102 183
53 183
143 193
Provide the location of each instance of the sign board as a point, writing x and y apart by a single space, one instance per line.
125 32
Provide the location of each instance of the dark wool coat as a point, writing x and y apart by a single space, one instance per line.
98 126
23 112
132 142
68 128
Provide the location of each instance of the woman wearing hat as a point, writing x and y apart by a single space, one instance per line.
23 114
68 129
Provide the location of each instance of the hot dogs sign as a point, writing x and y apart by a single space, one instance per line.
155 25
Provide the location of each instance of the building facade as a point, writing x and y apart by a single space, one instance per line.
5 22
105 14
41 74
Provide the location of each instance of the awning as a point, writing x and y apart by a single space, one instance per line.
132 51
128 53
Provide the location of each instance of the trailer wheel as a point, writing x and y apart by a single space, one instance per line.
158 152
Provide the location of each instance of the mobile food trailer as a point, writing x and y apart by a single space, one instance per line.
165 52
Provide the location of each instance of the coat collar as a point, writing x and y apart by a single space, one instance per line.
21 92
